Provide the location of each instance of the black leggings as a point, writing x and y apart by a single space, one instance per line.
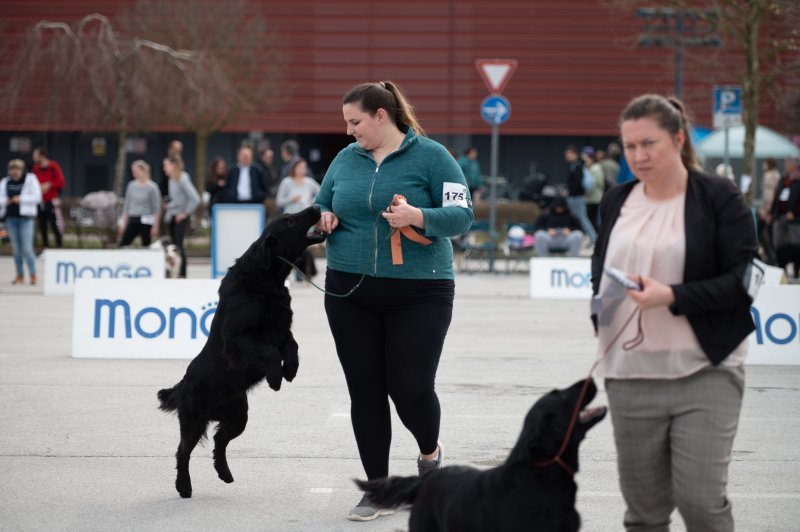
389 335
135 228
47 216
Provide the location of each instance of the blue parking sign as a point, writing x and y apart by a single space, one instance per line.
727 106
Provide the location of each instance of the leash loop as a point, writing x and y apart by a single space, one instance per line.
407 231
627 346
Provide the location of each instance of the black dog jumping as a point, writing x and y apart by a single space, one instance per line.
530 491
250 339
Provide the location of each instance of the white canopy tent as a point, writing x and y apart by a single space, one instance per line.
769 143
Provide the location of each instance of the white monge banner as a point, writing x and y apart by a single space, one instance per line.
62 267
127 318
776 313
561 278
776 310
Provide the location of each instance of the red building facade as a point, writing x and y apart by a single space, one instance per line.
578 66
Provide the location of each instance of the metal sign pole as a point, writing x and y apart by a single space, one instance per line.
495 109
493 195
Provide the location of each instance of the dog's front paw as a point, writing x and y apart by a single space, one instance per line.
273 371
274 380
290 369
290 361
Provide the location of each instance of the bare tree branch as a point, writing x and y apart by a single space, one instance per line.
101 78
765 32
239 67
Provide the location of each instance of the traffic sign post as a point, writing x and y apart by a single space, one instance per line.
495 110
727 112
727 106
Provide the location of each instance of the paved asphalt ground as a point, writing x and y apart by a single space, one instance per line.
83 446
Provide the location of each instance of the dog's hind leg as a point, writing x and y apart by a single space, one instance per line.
423 519
232 421
192 430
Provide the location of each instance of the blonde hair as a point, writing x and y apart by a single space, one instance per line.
143 166
388 96
16 163
177 161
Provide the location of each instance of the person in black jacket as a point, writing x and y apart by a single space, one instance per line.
215 183
246 182
557 229
576 200
786 210
674 377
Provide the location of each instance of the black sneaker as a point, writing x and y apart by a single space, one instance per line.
425 467
366 511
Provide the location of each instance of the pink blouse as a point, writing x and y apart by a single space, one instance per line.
649 239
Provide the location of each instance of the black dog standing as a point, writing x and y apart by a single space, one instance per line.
533 490
250 339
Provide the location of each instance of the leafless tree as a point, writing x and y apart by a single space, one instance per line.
93 76
243 72
765 32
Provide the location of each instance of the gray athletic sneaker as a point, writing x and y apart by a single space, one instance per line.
425 467
366 511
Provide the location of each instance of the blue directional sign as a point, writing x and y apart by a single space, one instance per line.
495 109
727 106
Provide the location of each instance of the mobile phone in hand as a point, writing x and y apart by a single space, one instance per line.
620 277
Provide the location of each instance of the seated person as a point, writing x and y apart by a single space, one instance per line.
557 229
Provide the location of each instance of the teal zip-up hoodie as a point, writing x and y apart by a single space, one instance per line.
357 190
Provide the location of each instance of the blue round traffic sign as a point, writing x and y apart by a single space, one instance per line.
495 109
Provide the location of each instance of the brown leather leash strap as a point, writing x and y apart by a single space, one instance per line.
407 231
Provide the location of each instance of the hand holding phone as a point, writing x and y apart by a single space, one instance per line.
621 278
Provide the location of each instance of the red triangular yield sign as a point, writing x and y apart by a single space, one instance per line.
496 72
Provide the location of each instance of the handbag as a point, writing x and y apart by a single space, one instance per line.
786 233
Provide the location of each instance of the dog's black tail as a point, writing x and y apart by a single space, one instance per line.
169 397
391 492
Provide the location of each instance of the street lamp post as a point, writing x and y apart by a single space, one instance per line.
679 29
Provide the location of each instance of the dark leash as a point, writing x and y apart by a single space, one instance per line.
364 269
627 346
312 283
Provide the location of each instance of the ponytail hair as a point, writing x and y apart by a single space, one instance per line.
178 162
670 114
385 95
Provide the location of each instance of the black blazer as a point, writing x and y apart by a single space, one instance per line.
720 243
258 187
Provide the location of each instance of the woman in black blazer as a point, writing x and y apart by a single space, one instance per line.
675 393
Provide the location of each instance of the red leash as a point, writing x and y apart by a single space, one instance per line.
630 344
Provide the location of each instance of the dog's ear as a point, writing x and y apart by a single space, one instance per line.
542 441
265 249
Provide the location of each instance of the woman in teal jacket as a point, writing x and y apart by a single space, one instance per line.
390 201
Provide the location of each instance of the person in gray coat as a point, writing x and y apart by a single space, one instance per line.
183 200
142 208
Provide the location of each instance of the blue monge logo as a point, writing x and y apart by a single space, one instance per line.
779 328
562 278
151 322
67 272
